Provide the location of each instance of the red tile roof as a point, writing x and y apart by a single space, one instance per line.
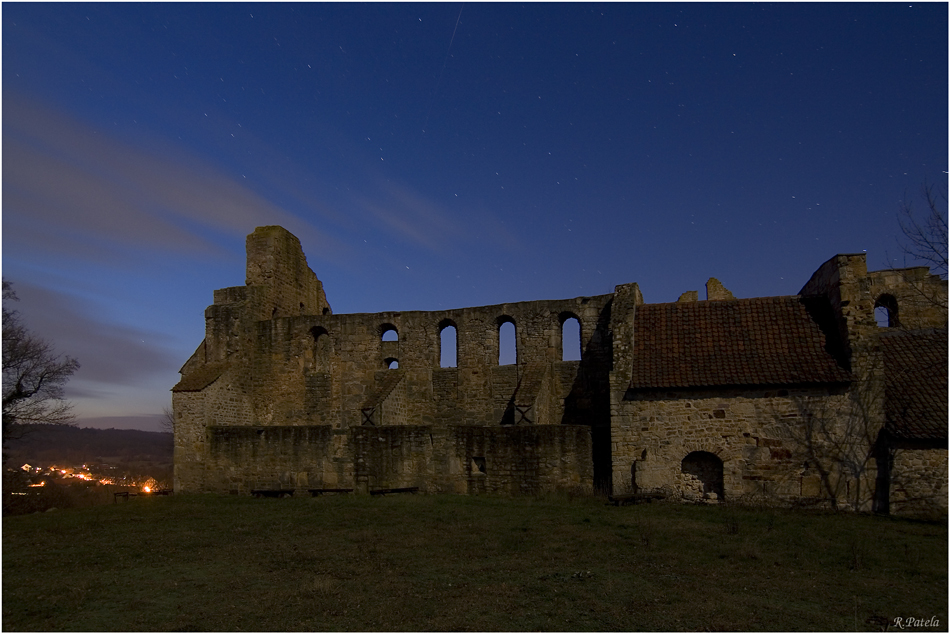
755 341
915 383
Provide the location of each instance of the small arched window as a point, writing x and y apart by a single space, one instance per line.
388 332
448 344
507 341
885 311
391 364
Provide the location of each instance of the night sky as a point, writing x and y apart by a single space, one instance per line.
434 156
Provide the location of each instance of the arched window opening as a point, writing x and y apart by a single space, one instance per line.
507 342
388 332
570 338
885 311
448 345
703 471
391 364
882 316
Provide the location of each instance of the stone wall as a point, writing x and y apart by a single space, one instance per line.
918 479
774 444
524 460
242 459
393 457
914 298
276 357
277 265
454 459
920 298
338 371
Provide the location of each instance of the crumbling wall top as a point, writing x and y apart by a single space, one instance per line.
275 261
715 291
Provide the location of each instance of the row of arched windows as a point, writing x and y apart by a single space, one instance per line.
448 342
508 342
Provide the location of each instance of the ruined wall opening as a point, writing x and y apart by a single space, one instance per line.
391 364
705 471
885 311
388 332
319 360
507 341
448 344
570 337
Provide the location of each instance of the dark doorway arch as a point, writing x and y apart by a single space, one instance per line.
707 469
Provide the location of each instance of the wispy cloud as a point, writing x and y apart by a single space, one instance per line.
78 184
423 222
78 192
109 354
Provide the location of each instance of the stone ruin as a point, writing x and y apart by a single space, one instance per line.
794 399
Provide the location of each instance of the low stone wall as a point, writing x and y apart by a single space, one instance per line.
392 457
242 459
918 480
528 460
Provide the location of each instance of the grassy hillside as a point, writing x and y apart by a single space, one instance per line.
448 563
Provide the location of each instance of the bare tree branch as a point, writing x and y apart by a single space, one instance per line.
167 422
925 234
33 376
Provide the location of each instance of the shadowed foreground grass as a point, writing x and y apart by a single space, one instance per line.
448 563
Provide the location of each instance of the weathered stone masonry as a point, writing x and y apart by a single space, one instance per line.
282 393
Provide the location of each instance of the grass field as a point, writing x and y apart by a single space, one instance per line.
414 562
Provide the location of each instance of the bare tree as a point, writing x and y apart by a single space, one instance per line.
925 234
167 423
33 375
833 437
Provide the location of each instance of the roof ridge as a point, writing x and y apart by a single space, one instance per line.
707 302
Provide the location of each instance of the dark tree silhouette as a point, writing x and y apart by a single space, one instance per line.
925 233
33 375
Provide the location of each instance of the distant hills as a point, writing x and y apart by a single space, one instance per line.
150 422
64 445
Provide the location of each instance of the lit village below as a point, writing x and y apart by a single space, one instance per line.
90 475
69 467
41 488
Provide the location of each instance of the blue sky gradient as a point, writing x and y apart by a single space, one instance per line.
434 156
